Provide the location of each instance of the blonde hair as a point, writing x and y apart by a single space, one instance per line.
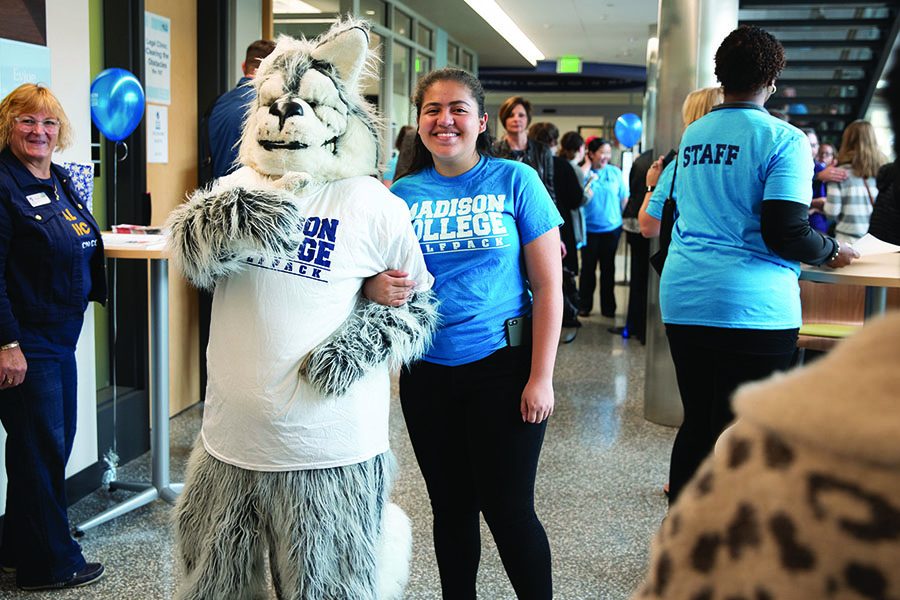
700 102
33 98
859 148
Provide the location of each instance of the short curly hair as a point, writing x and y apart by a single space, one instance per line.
748 60
33 98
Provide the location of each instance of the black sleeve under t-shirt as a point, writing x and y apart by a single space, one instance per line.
786 231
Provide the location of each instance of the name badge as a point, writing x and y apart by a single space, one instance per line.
36 200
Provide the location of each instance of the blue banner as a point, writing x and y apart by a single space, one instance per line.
22 63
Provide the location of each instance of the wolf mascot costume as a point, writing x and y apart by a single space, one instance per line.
293 459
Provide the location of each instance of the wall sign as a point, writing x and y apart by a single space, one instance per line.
157 58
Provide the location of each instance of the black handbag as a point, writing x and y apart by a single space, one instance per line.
658 260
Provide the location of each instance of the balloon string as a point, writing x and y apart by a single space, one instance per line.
115 320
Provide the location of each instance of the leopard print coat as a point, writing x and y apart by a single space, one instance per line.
801 498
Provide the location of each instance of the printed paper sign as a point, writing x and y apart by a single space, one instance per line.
157 58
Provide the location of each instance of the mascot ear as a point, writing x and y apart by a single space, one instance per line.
346 50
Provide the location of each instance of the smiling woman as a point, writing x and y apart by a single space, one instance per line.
488 230
52 257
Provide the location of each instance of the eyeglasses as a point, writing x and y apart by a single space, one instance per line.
27 125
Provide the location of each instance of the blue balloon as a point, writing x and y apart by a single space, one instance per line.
628 129
117 103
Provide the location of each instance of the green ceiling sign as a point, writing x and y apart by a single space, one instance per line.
568 64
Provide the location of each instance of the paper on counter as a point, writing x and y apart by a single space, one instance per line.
148 241
869 245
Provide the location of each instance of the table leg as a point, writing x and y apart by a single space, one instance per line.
160 487
876 301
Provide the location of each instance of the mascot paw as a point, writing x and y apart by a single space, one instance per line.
333 367
293 181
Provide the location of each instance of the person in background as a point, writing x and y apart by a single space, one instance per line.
636 319
603 221
570 196
850 202
811 466
515 115
729 294
51 266
817 218
491 362
885 222
659 179
390 170
572 150
226 120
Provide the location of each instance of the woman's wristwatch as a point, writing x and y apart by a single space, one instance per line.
650 189
10 346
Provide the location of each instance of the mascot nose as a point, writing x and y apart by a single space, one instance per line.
284 110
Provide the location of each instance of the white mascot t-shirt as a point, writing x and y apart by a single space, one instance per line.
260 414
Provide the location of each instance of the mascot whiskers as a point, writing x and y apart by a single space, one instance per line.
293 459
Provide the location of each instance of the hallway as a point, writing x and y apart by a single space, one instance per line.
598 490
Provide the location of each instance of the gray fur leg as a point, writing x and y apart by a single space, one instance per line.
373 333
216 229
219 544
325 525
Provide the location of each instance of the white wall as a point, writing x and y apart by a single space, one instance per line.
68 38
245 29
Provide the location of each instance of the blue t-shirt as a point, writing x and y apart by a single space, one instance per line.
471 229
604 211
661 193
719 272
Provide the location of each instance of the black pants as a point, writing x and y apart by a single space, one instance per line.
637 290
567 235
710 363
600 248
477 455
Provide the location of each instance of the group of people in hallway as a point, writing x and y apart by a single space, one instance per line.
477 405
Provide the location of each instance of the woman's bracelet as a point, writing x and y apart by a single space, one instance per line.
9 346
837 250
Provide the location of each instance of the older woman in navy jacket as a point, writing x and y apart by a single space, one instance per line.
51 266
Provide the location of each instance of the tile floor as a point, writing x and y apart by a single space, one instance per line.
598 491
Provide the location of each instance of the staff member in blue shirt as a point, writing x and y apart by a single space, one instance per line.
51 266
729 294
603 221
476 406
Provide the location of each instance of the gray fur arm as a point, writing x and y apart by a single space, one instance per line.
215 230
372 334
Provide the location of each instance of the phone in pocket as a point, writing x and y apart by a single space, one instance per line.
518 331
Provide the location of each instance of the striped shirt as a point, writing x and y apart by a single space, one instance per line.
849 205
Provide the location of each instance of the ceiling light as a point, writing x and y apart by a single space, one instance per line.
293 7
502 24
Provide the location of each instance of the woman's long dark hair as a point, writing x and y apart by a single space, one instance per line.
422 158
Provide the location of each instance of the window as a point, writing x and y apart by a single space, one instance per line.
452 53
402 24
423 36
402 86
467 61
373 10
423 64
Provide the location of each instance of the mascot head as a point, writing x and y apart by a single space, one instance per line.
309 116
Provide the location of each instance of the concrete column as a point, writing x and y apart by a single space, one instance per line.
690 31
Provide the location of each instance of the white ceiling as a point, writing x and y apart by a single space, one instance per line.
606 31
609 31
